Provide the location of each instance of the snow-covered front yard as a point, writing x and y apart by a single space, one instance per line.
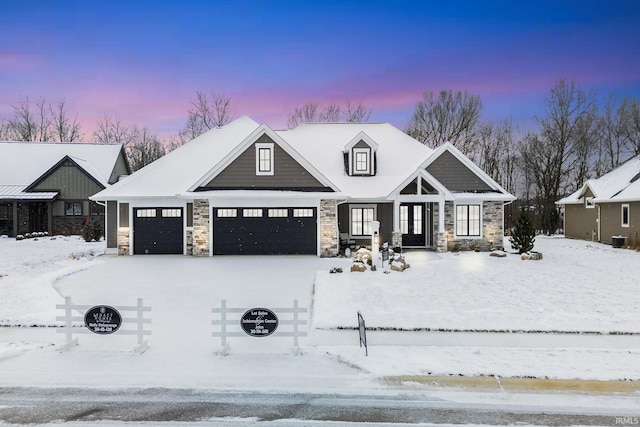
578 286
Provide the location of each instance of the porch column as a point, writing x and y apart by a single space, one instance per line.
441 235
15 218
396 216
50 217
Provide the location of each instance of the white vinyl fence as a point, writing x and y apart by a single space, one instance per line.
138 322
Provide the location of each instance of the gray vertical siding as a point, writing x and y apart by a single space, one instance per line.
119 169
241 173
580 222
111 229
454 175
71 182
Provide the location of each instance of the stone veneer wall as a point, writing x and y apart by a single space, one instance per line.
201 219
189 242
328 228
492 229
123 242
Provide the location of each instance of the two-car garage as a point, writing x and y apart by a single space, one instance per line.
236 230
264 231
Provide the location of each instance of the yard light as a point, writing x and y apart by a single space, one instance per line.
375 242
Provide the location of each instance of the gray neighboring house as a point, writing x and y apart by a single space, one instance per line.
605 207
45 187
245 188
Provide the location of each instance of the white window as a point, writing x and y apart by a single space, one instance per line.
361 218
625 216
278 213
301 213
171 213
468 220
264 159
252 213
146 213
361 161
417 219
588 203
227 213
404 219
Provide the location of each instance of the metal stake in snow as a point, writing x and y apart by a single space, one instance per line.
363 334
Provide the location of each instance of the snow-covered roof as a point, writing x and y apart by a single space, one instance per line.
176 172
318 147
622 184
398 155
25 162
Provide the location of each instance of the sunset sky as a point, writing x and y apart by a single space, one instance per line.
144 60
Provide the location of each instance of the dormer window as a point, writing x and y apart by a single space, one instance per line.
360 156
264 159
362 161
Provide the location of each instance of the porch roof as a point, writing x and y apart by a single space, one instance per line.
17 192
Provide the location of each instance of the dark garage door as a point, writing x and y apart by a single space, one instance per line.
264 231
157 231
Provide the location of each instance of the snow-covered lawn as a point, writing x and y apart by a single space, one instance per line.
578 286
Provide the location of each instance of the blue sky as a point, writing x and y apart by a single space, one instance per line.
144 60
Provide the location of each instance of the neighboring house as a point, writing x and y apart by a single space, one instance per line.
247 189
45 187
605 207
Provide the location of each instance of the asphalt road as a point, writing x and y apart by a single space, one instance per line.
68 406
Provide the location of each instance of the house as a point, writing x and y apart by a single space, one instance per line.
247 189
605 207
45 187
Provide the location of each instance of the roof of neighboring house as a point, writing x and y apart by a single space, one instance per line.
318 147
622 184
25 162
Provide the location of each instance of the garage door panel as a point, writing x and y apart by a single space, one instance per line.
158 231
262 235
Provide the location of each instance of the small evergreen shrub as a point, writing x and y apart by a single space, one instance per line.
523 234
92 230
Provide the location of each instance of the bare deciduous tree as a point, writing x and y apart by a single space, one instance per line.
30 124
632 128
111 130
357 113
64 129
144 148
557 157
447 116
207 111
309 113
497 153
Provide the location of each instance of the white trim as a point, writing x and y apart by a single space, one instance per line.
262 146
250 140
355 170
622 224
361 136
588 205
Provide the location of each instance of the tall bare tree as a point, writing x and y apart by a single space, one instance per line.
632 128
144 148
111 130
557 158
497 153
446 116
64 129
208 111
309 112
31 123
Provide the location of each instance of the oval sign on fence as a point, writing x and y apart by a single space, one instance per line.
259 322
102 319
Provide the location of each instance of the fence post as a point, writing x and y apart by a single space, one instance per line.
223 328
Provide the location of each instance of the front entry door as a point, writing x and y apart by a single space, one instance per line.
412 224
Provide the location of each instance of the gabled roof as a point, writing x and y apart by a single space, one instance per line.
622 184
482 175
362 136
323 144
24 163
178 171
250 139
